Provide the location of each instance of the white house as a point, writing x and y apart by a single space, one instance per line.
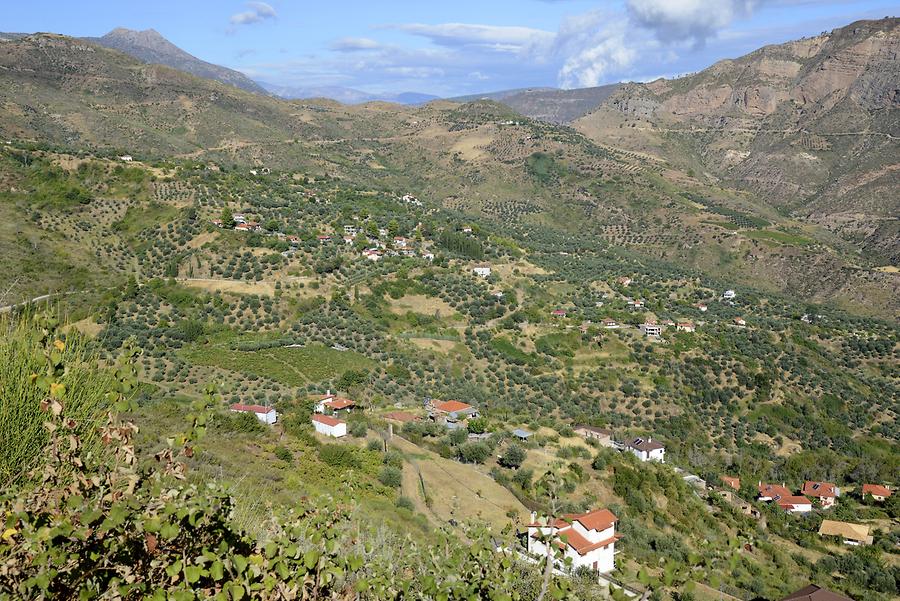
610 324
794 504
329 426
331 402
482 270
400 242
728 295
372 254
266 415
685 326
126 158
647 450
825 492
651 329
588 539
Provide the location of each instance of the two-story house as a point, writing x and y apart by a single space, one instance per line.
588 539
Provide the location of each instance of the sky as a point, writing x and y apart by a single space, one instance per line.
455 47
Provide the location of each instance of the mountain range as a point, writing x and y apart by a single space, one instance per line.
776 168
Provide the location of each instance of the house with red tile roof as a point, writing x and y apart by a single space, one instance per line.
825 492
879 493
452 411
329 426
331 403
266 415
794 504
768 492
732 481
588 539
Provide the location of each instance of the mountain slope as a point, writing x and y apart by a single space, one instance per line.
150 47
810 125
549 104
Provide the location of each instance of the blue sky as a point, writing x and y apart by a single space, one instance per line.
456 47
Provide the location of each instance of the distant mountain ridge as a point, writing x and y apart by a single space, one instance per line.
151 47
345 95
549 104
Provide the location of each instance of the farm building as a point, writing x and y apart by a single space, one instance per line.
815 593
482 270
266 415
330 403
453 411
329 426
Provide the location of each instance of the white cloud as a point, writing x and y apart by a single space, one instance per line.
255 13
592 47
355 44
682 20
496 38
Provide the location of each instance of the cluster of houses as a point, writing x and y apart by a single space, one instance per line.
811 493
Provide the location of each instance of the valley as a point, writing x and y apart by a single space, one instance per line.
461 315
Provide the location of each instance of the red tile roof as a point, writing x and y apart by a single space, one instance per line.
732 481
876 490
325 419
339 403
773 490
451 406
811 488
789 502
600 519
251 408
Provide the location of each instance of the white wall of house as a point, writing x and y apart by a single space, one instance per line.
601 560
335 431
653 455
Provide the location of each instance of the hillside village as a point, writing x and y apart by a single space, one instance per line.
507 343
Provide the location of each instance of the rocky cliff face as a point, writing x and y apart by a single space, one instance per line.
811 126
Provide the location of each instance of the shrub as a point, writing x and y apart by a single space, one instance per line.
391 476
339 455
284 454
513 457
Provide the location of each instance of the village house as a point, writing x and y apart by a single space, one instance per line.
331 403
372 254
739 322
825 492
350 230
348 240
651 329
685 326
741 505
635 304
217 222
794 503
728 295
293 240
452 411
266 415
815 593
249 226
329 426
703 308
558 313
769 492
400 242
482 270
239 218
587 539
610 324
429 256
601 435
731 481
879 493
647 450
850 534
323 239
126 158
467 229
624 281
